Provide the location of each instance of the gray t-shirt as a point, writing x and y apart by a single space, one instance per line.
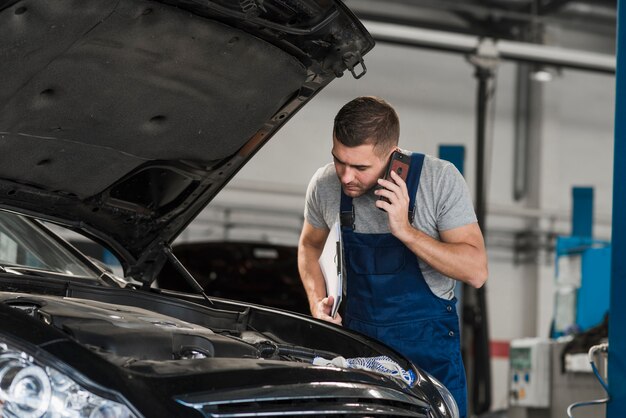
443 202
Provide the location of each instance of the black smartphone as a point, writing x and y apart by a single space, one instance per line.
399 163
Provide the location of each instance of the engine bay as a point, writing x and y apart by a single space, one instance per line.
141 339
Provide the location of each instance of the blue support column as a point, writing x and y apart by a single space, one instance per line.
453 153
582 213
617 311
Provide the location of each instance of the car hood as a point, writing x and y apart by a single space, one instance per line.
124 118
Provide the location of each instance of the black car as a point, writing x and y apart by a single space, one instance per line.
122 119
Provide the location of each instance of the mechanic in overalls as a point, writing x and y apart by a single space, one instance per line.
402 256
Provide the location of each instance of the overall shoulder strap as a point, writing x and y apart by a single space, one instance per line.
346 211
413 181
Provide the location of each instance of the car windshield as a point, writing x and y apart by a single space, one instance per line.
24 248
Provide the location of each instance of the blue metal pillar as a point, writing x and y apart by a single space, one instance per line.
617 311
453 153
582 213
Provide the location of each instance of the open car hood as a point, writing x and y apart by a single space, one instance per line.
124 118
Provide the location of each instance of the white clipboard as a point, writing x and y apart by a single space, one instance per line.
332 266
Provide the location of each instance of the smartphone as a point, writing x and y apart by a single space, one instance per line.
399 163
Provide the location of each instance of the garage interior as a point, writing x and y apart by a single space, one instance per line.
521 96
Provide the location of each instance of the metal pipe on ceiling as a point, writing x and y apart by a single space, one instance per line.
507 50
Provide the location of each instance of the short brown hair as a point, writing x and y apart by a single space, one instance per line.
367 120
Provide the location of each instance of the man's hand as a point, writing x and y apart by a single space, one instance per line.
309 250
398 206
321 310
459 253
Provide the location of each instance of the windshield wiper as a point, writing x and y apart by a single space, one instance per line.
23 270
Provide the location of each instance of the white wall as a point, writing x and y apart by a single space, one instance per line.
432 111
434 94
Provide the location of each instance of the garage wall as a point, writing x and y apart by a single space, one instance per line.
434 94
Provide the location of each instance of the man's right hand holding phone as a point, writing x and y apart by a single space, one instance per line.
397 207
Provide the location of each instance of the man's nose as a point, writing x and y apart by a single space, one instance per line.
347 175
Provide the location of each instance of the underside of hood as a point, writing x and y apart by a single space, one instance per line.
124 118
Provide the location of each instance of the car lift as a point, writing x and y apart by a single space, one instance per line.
475 319
616 407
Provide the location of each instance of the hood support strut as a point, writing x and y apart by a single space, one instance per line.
149 266
185 273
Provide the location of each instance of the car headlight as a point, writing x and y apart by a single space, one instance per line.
29 389
448 399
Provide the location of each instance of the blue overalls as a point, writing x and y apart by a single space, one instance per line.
388 299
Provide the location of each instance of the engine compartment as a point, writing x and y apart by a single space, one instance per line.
138 340
126 331
151 342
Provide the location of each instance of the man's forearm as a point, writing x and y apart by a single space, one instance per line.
460 261
311 274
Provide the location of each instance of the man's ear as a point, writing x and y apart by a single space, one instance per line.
387 155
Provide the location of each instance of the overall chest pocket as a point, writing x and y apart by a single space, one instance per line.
376 260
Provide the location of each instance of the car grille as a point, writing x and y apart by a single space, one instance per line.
312 399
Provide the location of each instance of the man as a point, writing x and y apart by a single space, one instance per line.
402 255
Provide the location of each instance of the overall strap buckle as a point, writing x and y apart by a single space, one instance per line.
346 218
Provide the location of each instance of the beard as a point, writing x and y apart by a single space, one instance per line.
355 189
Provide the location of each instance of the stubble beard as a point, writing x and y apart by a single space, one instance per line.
355 190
